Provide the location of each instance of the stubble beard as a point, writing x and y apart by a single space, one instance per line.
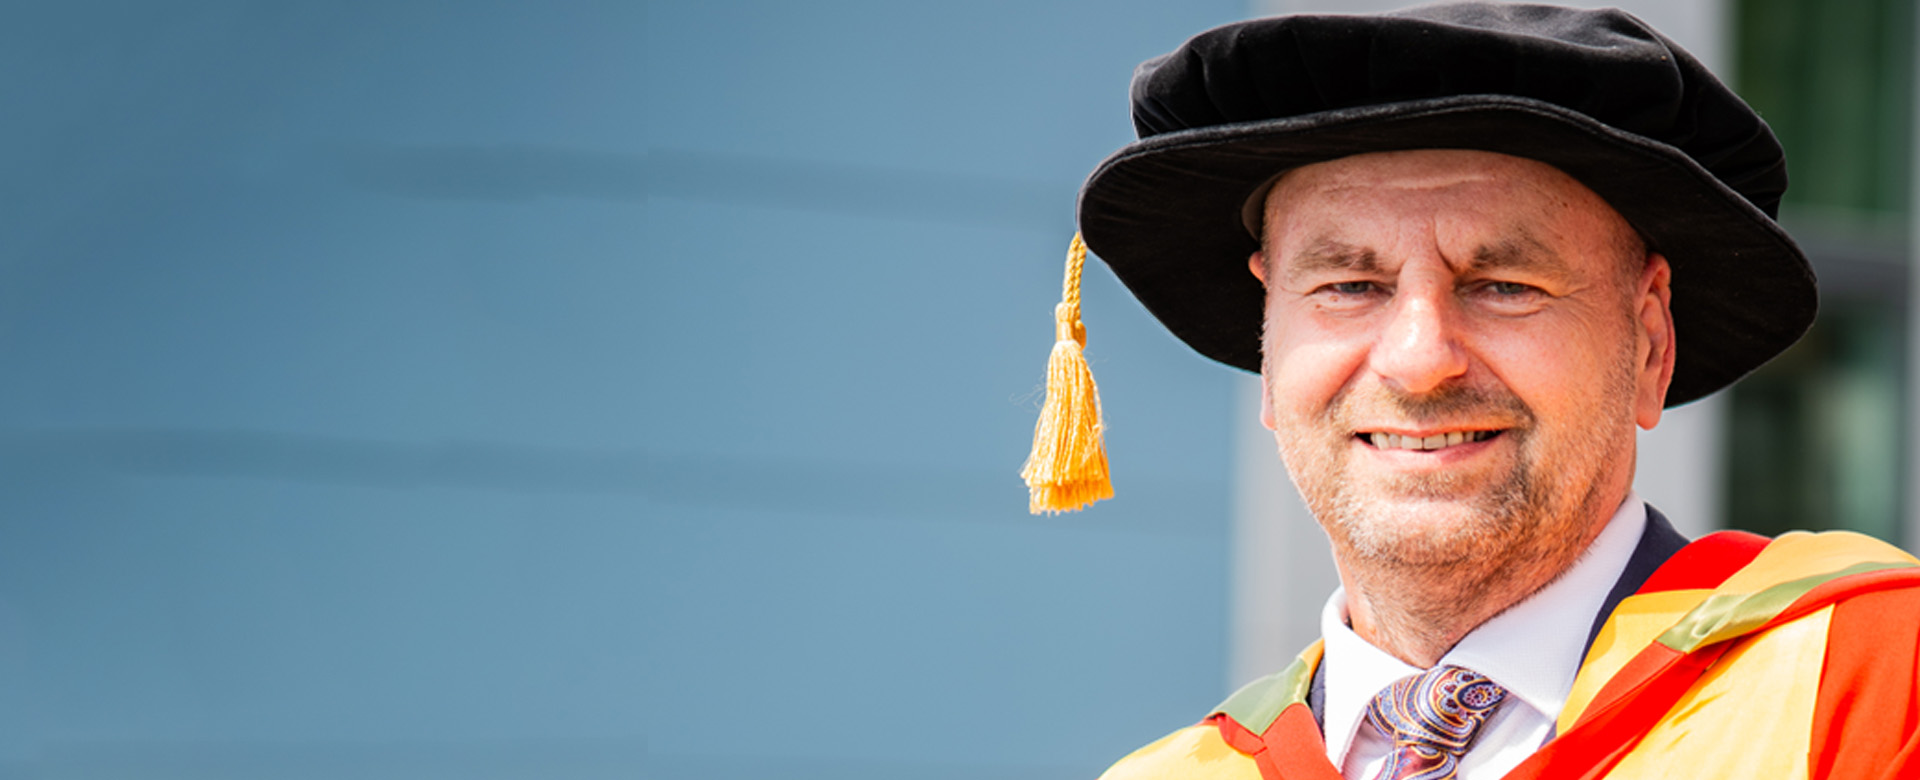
1467 532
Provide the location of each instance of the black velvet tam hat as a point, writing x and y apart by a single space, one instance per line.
1597 94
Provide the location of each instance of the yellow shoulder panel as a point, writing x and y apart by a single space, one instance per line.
1750 716
1195 753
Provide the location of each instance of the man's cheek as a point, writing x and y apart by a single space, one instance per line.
1312 373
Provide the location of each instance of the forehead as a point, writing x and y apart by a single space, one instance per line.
1444 196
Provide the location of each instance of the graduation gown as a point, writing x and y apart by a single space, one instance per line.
1734 656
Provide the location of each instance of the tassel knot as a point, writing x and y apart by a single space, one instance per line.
1067 325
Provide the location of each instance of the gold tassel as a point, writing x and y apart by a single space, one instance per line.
1068 467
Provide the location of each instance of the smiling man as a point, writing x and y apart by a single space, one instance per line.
1458 346
1470 249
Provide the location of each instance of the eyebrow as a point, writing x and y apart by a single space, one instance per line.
1329 255
1520 251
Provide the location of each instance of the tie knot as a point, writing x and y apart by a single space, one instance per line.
1432 718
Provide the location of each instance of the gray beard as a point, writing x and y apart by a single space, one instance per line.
1535 514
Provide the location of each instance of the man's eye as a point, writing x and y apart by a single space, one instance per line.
1351 288
1509 288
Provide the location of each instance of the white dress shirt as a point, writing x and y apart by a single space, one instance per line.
1533 650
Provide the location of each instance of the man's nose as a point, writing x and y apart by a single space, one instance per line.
1419 345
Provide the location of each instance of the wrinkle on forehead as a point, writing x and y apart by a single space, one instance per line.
1418 169
1512 199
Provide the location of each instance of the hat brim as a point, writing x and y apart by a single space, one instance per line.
1165 214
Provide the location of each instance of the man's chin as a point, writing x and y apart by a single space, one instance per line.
1420 531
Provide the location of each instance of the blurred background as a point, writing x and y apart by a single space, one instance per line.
579 390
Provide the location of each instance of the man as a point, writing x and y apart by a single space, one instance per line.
1470 248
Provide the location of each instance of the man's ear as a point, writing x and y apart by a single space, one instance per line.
1654 368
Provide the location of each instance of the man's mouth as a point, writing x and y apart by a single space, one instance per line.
1395 441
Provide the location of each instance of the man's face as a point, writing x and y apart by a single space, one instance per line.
1458 345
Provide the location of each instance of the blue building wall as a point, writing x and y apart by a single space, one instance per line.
489 390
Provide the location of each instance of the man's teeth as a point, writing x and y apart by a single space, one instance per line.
1394 441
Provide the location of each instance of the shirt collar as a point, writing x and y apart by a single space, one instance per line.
1533 649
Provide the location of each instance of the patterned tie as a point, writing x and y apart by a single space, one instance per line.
1432 718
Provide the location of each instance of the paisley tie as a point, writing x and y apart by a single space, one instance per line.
1432 718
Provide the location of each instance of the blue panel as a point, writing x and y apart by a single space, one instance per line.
416 389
